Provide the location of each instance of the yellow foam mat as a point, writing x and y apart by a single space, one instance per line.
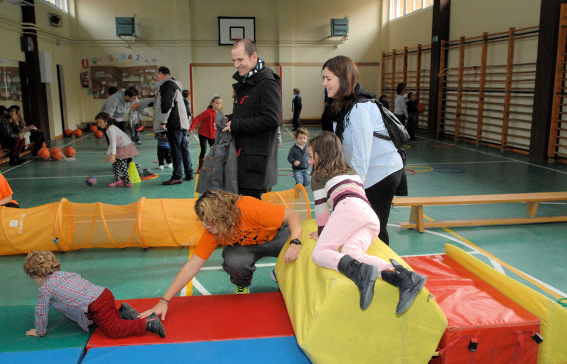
330 327
553 316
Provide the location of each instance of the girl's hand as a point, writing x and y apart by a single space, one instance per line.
106 158
113 158
32 332
160 309
292 253
314 235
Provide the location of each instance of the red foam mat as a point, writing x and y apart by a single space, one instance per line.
210 318
484 326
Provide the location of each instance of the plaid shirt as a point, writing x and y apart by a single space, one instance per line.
67 293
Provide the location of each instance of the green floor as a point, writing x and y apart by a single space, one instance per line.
538 251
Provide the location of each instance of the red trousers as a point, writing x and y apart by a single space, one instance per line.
105 315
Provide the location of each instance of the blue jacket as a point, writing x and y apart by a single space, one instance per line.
298 154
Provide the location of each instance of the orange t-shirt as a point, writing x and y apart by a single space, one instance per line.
259 223
5 189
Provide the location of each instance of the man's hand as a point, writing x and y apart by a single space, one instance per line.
292 253
32 332
160 309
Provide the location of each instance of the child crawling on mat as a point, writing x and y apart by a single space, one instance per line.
81 301
347 226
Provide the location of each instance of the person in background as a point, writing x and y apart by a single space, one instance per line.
400 107
296 107
186 94
205 121
299 159
115 105
384 102
411 106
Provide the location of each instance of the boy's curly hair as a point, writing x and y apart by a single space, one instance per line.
218 208
41 263
301 130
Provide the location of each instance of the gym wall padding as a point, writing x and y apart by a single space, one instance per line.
323 306
64 225
553 316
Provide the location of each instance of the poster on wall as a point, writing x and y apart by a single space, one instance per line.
141 77
10 88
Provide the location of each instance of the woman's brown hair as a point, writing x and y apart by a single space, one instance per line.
218 208
345 69
331 161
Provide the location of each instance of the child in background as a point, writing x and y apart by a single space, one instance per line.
205 121
344 236
411 106
299 158
136 123
296 107
81 301
163 152
120 149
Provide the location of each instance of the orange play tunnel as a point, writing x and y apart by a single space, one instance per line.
64 225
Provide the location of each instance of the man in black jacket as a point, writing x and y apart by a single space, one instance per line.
255 119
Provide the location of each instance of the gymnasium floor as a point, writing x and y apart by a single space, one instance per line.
536 252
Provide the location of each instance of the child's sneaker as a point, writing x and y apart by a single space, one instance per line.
170 165
153 324
241 290
121 183
160 166
114 183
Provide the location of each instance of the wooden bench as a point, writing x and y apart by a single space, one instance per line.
532 201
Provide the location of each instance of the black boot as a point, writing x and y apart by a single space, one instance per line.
409 283
363 275
127 312
153 324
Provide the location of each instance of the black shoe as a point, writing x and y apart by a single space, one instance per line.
127 312
409 284
363 275
153 324
16 161
189 177
172 182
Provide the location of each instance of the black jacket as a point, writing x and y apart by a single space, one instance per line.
256 117
298 154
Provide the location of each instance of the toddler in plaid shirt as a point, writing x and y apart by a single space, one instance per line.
81 301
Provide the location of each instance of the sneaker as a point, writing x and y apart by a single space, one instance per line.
121 183
138 143
160 166
115 183
127 312
170 165
153 324
273 276
241 290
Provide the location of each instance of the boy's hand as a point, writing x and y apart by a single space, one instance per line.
32 332
296 163
292 253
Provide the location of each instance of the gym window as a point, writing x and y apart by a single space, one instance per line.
61 4
399 8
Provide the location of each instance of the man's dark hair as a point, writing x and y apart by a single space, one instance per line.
163 70
131 91
249 46
400 88
112 90
185 93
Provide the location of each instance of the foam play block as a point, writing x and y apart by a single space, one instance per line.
281 350
553 316
69 355
330 327
484 325
206 318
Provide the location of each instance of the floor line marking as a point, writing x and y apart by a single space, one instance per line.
543 286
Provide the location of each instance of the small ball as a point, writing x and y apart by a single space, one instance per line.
90 181
69 152
78 132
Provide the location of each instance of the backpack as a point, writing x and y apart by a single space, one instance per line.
396 130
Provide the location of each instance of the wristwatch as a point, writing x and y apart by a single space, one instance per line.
295 241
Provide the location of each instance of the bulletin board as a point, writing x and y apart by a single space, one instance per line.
141 77
10 88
